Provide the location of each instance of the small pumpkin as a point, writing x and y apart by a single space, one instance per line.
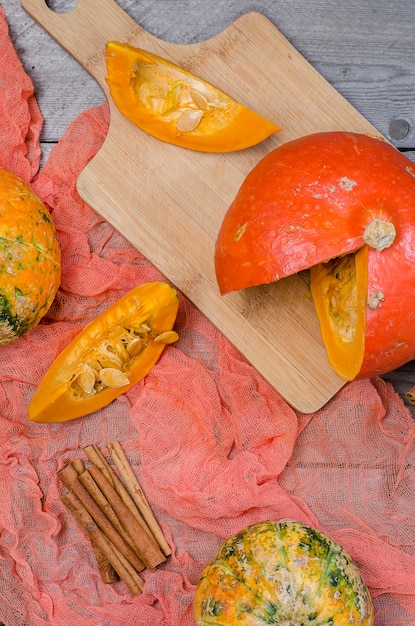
30 258
283 573
109 355
173 105
342 206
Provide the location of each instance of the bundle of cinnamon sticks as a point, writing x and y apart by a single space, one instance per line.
112 508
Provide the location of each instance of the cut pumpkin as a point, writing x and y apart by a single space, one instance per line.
177 107
110 355
341 205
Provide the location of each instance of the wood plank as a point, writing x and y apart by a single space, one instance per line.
364 49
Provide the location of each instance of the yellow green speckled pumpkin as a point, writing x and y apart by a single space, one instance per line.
282 573
29 258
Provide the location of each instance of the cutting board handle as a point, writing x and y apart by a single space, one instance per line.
76 31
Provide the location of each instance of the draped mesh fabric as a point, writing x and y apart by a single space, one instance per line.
213 445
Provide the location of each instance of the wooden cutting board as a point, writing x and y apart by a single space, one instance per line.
169 202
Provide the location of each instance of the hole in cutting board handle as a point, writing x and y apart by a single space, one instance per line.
61 6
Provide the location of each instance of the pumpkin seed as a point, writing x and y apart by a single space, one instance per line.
144 328
199 99
103 362
86 379
135 346
112 377
169 336
117 345
189 120
94 365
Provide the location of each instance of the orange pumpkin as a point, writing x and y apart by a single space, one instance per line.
109 355
29 258
342 205
171 104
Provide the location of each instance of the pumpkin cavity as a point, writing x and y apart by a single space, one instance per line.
109 362
339 290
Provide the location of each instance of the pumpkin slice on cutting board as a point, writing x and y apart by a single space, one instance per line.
175 106
342 205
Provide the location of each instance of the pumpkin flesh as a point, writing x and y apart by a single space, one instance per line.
283 573
316 199
177 107
110 355
339 289
30 258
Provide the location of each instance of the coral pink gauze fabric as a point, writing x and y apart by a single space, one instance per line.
214 447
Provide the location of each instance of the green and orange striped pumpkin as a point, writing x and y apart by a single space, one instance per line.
29 258
282 573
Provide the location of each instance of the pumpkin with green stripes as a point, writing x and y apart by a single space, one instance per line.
284 573
29 258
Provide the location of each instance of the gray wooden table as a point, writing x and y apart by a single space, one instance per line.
364 48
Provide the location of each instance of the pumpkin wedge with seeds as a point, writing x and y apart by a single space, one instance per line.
175 106
110 355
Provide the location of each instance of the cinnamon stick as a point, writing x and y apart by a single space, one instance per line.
95 492
96 457
69 476
127 474
78 464
123 568
145 545
108 574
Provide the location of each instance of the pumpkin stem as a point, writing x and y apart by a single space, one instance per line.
379 234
